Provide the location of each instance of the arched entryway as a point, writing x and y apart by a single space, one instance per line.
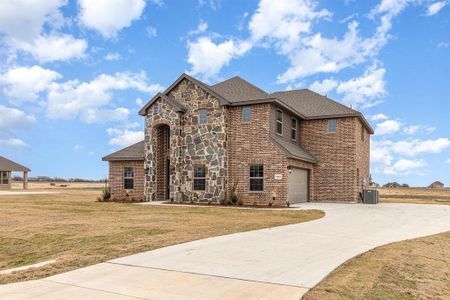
162 162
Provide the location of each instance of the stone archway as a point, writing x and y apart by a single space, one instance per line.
162 162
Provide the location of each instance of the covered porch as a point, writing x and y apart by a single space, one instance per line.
7 167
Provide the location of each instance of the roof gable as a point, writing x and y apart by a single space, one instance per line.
177 105
204 86
9 165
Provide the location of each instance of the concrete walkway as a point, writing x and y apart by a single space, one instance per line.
277 263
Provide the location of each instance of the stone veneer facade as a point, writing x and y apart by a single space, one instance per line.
191 144
227 147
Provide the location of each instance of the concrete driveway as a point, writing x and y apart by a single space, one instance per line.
277 263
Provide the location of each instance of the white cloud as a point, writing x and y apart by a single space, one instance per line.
13 142
112 56
48 48
413 129
108 17
323 87
12 119
94 115
207 58
77 148
88 99
404 167
151 31
283 22
23 25
379 117
139 102
202 27
365 91
25 83
435 7
416 147
387 127
124 137
443 45
448 160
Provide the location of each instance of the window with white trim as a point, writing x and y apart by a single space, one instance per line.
128 178
294 129
199 178
279 118
246 114
256 178
331 125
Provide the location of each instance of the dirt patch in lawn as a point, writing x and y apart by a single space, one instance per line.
413 269
76 231
415 195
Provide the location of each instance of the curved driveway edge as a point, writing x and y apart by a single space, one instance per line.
276 263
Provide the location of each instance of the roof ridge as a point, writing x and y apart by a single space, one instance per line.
246 81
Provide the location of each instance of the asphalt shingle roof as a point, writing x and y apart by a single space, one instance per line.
133 152
9 165
293 150
237 89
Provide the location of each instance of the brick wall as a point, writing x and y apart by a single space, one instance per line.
116 180
335 174
362 153
249 143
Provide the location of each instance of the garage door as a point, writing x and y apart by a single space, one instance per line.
298 186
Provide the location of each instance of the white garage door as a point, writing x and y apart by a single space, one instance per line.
298 186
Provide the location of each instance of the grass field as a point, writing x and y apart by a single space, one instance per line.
413 269
415 195
71 227
57 185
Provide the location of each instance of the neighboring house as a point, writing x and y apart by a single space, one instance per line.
6 168
436 185
291 146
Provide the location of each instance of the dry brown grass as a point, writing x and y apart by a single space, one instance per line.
413 269
77 231
18 185
415 195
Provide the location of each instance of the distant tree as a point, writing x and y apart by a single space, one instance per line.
405 185
392 185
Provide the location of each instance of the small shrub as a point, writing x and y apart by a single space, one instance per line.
233 197
240 202
209 202
288 203
106 195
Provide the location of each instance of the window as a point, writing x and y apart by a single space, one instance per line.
294 129
4 177
128 178
199 178
279 121
246 114
362 133
256 178
331 125
202 116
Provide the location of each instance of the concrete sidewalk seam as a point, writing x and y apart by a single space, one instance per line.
209 275
93 289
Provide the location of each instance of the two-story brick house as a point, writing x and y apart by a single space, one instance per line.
291 146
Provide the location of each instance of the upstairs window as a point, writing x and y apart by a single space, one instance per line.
199 178
246 114
256 178
331 125
202 116
294 129
128 178
279 118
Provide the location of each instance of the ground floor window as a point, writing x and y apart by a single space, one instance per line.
199 178
4 177
128 178
256 178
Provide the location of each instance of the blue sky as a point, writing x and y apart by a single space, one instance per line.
73 74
